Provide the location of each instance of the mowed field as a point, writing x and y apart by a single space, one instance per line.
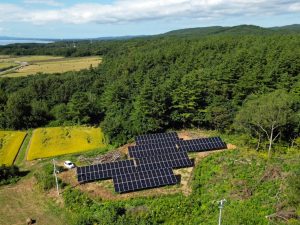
10 143
22 200
54 141
31 65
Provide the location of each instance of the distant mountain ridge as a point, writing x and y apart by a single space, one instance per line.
70 39
235 30
197 31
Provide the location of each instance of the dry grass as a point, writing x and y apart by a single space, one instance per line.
20 201
29 59
50 65
49 142
10 143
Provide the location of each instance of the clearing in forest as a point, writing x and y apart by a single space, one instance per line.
30 65
54 141
10 143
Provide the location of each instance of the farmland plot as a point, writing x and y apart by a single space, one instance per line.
48 142
31 65
10 143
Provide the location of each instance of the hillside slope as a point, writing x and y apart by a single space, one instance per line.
257 191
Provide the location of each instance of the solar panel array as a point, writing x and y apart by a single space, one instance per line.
150 149
155 138
154 157
104 170
145 179
174 160
202 144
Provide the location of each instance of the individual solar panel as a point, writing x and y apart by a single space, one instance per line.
104 170
150 146
174 160
202 144
142 153
143 180
158 137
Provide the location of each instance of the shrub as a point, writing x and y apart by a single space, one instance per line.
45 178
9 174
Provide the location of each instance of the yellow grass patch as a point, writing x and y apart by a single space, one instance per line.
54 141
7 65
31 58
40 64
10 143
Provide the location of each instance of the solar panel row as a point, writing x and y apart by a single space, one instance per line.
196 145
133 153
155 138
104 170
174 160
143 180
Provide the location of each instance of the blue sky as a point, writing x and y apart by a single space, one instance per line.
101 18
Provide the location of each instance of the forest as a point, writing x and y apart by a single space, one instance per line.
155 84
246 87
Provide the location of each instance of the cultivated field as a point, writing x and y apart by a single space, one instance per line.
48 142
10 143
30 65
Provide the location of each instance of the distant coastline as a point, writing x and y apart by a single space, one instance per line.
7 42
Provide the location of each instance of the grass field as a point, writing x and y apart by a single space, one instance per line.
21 201
10 143
48 142
29 59
47 64
7 65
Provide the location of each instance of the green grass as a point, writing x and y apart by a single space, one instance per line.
22 152
7 65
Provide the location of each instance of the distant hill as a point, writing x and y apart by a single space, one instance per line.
23 38
235 30
294 28
194 32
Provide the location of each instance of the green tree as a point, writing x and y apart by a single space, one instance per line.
18 111
266 115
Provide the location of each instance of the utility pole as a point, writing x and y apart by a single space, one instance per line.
221 206
55 175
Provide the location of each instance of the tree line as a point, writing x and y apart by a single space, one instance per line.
151 85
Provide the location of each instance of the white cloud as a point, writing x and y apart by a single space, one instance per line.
137 10
44 2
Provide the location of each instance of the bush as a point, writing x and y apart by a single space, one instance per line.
9 174
45 178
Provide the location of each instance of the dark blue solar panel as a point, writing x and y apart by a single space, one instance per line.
104 170
202 144
142 153
158 137
174 160
142 180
